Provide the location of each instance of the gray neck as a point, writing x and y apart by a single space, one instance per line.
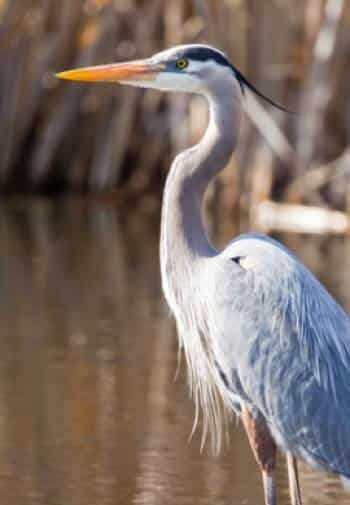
183 238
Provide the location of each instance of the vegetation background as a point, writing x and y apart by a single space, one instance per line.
67 137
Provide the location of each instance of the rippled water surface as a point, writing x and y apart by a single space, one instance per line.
89 408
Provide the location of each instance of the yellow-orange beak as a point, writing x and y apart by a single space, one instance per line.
115 72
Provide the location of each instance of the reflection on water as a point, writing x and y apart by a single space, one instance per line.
89 409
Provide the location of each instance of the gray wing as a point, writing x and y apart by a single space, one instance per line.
286 344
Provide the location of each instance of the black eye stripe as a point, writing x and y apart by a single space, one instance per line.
201 53
204 53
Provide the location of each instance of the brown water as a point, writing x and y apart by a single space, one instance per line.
90 412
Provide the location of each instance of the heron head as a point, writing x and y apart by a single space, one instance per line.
191 68
184 68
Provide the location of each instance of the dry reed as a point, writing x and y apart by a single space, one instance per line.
59 137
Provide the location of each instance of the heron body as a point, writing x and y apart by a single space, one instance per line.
259 332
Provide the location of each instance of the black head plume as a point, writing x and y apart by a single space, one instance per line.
244 83
203 53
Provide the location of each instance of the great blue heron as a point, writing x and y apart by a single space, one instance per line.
261 335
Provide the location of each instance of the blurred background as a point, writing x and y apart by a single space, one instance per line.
89 408
59 137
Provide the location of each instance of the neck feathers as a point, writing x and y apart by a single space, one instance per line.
185 248
183 232
184 243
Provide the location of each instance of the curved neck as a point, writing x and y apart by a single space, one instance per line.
183 237
212 153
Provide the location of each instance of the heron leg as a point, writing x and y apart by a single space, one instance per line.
268 479
293 478
264 450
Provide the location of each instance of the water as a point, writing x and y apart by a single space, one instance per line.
89 408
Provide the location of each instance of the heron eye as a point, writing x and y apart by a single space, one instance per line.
182 63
